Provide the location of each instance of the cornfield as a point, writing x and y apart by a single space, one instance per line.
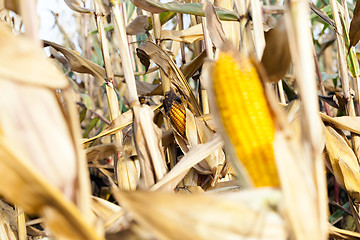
195 119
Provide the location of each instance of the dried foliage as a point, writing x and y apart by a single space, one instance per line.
161 120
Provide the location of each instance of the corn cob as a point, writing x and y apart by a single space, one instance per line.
246 117
175 111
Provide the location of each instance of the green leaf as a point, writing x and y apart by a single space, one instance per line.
87 100
338 214
91 126
325 76
129 9
83 114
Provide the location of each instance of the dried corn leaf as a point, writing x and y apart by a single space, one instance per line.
190 68
17 62
354 33
232 29
32 116
148 145
127 168
149 89
337 101
118 124
213 25
127 172
216 160
200 216
338 233
186 8
138 26
188 35
76 6
276 58
147 6
7 222
112 215
193 139
190 129
300 204
344 162
21 179
198 133
8 213
13 5
191 158
348 123
37 123
21 226
100 152
323 16
42 133
78 63
149 50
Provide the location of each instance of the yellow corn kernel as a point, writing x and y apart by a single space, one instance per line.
176 112
246 117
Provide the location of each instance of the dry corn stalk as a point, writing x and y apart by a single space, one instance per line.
245 115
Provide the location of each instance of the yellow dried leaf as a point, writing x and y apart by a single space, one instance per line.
24 186
24 62
343 162
348 123
188 35
201 216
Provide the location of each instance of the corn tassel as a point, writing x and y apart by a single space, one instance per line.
246 117
176 112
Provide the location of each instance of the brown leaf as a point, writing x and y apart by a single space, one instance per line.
147 6
100 152
13 5
150 50
190 68
336 101
76 6
354 33
145 88
213 25
78 63
321 14
276 58
144 58
138 26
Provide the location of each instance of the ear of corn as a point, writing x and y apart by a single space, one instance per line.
246 117
176 112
